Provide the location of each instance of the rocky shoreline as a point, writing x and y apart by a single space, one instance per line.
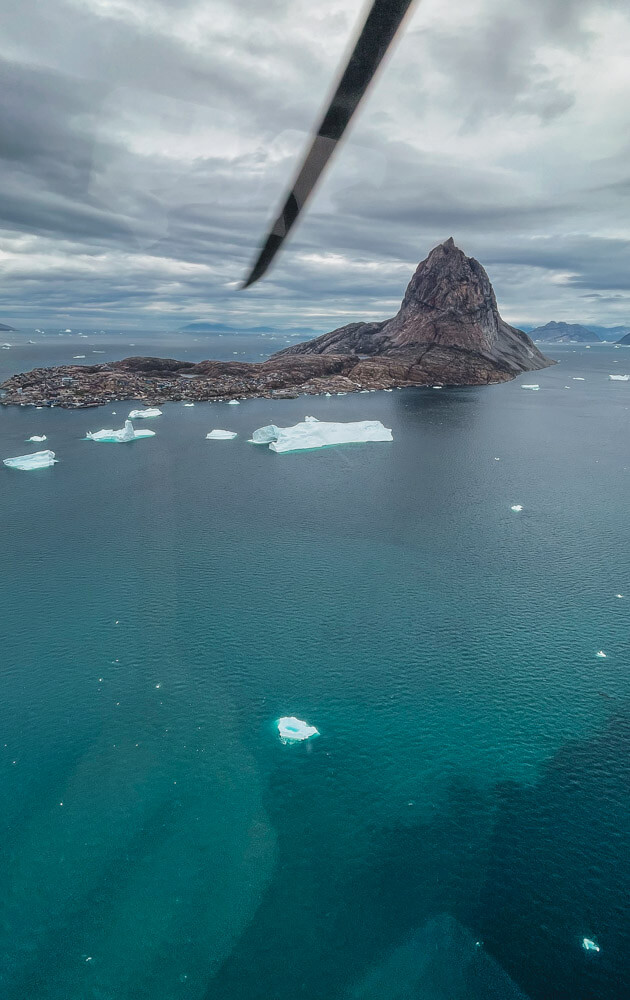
448 332
159 380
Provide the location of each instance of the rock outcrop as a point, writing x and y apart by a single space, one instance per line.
448 328
448 331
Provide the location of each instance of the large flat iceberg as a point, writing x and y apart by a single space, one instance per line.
126 433
37 460
149 411
313 433
292 730
219 435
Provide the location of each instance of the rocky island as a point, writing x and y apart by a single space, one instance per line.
448 331
564 333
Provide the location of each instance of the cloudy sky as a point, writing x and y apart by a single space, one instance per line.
146 144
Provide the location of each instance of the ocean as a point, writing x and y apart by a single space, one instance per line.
462 822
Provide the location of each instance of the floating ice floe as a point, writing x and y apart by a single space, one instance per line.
37 437
292 730
578 378
233 402
313 433
516 506
601 654
589 945
620 596
189 404
6 347
219 435
126 433
534 387
149 411
620 378
37 460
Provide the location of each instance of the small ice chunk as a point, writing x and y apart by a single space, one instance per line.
578 378
534 387
589 945
219 435
189 404
76 356
313 433
149 411
328 394
37 460
620 596
292 730
121 436
437 386
233 402
601 654
516 507
37 437
497 459
620 378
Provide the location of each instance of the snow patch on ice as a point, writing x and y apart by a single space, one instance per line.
589 945
121 436
37 460
219 435
313 433
292 730
149 411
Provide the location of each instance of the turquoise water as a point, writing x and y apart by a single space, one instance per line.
462 821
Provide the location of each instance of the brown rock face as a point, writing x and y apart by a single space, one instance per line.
448 325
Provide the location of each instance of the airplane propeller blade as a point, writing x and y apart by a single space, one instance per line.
381 25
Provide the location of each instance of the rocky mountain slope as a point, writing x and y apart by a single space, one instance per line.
448 328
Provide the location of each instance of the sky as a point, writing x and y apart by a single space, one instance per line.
147 144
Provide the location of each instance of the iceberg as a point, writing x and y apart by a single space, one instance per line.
37 437
293 730
219 435
37 460
75 356
516 507
313 433
620 378
578 378
589 945
530 387
189 404
149 411
126 433
233 402
601 654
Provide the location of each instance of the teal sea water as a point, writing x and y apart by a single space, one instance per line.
461 823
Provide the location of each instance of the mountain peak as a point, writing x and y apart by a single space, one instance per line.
449 312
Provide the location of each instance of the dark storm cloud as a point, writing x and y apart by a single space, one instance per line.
146 144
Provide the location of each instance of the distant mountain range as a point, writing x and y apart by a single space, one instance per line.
564 333
204 326
572 333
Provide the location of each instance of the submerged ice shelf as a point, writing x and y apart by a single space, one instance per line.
313 433
37 460
124 434
292 730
